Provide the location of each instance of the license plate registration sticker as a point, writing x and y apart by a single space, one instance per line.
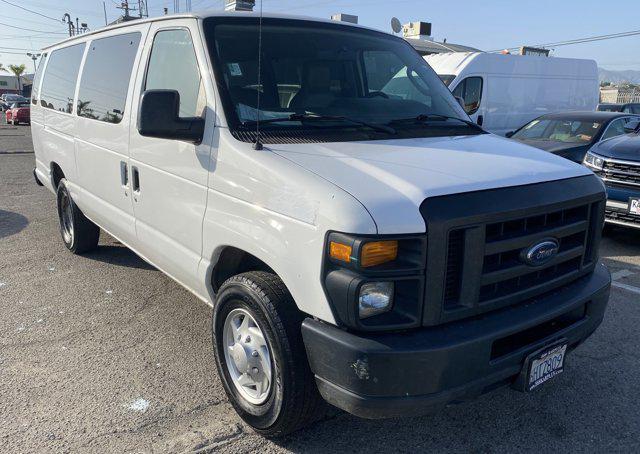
546 366
634 206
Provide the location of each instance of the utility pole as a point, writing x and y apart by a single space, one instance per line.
104 7
141 10
66 18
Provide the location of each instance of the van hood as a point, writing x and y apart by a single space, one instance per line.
392 178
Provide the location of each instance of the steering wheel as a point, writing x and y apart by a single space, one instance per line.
375 94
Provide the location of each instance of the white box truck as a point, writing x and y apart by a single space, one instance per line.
504 92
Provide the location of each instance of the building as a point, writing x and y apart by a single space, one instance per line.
418 34
9 84
619 95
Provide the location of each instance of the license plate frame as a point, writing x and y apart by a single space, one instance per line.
634 206
542 365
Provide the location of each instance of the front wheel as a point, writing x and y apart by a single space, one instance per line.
260 355
78 233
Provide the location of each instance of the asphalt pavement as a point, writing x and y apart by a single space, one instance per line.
103 353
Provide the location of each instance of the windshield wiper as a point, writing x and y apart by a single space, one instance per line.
306 117
423 118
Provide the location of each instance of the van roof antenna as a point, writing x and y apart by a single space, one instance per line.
258 144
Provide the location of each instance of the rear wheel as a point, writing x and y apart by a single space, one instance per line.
15 122
79 234
260 355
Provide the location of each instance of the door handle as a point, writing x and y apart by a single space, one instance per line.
135 183
124 177
135 179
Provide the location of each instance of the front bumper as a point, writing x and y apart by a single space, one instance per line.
617 210
414 372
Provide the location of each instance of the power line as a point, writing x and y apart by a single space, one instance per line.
33 30
29 10
588 39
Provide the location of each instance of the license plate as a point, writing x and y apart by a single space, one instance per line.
634 206
545 365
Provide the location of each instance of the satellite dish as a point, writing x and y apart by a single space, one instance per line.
396 26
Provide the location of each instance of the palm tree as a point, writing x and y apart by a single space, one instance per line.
3 69
18 70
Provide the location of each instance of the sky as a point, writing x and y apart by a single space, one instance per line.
486 25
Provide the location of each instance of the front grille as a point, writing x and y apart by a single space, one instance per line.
479 252
622 173
613 214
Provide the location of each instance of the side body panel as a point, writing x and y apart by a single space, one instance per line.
102 159
170 204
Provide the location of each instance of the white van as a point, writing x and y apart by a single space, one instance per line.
504 92
363 244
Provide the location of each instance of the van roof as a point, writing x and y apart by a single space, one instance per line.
202 15
456 62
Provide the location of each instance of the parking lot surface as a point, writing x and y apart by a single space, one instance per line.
103 353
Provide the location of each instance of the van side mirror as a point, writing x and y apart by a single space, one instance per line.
632 126
158 116
509 134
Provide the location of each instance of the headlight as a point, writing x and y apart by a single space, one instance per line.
593 161
375 298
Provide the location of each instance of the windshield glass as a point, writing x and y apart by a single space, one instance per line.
325 70
570 131
447 78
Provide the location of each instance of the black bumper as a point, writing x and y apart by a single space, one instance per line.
414 372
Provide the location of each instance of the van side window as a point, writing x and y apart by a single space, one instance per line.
105 77
470 90
59 85
35 88
173 66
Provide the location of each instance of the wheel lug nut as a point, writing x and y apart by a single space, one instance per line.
248 339
254 354
255 370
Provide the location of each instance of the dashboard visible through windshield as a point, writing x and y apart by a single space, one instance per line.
327 76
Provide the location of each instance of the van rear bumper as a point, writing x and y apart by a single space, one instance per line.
415 372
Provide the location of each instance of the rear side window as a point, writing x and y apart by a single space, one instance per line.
105 77
35 88
59 85
470 90
173 66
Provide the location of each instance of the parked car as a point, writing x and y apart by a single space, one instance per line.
617 162
572 134
504 92
633 107
10 98
358 243
19 112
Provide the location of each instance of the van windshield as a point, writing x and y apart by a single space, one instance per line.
327 76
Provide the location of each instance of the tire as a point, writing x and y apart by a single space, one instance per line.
14 122
292 401
78 233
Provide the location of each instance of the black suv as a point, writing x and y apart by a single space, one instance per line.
617 162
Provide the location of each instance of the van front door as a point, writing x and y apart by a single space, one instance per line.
169 177
470 90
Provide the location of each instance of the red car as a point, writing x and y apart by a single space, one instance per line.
19 112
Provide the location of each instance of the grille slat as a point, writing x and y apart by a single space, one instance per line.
521 269
621 173
497 246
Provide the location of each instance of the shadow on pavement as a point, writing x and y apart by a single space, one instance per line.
120 256
11 223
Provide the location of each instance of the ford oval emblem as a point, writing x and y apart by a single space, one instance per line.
540 253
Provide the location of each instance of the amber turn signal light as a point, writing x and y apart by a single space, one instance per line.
340 252
378 252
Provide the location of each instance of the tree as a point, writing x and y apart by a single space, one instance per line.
3 69
18 70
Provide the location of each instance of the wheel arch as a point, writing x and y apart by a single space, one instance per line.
230 261
57 174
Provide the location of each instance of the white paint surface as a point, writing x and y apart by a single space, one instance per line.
140 405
